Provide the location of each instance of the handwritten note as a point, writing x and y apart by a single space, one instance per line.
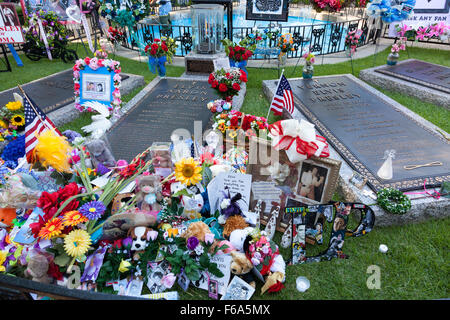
267 192
223 262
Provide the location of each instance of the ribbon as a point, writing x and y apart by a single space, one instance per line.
88 31
241 65
157 64
299 139
44 38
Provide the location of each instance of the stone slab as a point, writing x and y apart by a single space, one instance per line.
422 209
201 64
407 86
164 105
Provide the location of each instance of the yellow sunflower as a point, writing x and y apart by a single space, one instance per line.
3 124
188 171
13 105
3 254
77 243
17 120
73 218
51 229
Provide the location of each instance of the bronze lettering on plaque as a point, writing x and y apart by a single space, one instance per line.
158 114
427 74
361 126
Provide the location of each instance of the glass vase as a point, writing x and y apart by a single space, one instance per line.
392 58
282 58
308 71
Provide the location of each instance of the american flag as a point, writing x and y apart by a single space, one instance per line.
283 98
35 123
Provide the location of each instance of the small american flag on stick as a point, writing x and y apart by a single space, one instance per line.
283 98
36 122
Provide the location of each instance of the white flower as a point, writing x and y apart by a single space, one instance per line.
225 203
198 250
255 261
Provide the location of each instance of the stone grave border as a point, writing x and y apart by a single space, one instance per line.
393 83
421 209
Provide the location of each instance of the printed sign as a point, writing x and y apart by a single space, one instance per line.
10 29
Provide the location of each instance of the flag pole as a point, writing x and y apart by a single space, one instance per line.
37 113
268 112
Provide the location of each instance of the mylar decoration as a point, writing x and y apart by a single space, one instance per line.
391 10
125 13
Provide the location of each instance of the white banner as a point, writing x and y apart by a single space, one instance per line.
10 30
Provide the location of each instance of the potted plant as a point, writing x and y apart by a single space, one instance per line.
308 69
394 55
159 52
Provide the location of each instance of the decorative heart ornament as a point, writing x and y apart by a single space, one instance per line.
74 13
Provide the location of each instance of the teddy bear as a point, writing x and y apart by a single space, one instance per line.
257 248
118 225
100 153
37 269
196 229
149 193
242 267
233 223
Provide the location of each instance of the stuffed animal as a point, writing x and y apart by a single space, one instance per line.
149 193
196 229
37 269
117 226
192 206
263 254
241 266
233 223
141 237
100 153
7 215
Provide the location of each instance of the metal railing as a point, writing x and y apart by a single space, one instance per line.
319 38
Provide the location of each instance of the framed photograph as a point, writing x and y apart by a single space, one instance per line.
11 31
282 183
358 180
183 281
60 7
96 85
238 289
267 10
213 289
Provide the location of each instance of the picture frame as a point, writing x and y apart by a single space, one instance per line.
11 23
96 85
213 289
267 10
273 192
238 289
58 6
183 281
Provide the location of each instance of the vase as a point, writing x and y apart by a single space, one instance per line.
282 58
348 52
308 71
241 65
157 65
392 58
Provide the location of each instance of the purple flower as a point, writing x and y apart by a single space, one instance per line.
93 210
101 169
192 243
127 242
93 265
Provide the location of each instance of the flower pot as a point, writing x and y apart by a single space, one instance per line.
392 58
308 71
282 58
157 65
241 65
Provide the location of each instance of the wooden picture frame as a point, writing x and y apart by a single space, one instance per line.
275 193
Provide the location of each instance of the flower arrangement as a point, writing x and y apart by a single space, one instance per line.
329 5
390 11
238 53
352 39
125 14
285 43
54 31
309 58
94 64
227 81
12 117
218 105
233 123
159 52
115 35
439 31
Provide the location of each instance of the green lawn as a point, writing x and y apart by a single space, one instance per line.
417 263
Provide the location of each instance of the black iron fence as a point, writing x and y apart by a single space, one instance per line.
319 38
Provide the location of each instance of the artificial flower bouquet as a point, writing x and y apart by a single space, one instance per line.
12 116
227 82
309 58
114 35
285 43
439 31
352 40
330 5
159 52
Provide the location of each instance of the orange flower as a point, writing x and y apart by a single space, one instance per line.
73 218
51 229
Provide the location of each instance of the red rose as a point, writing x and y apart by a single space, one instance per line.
243 76
153 52
238 56
146 48
214 84
246 123
211 78
53 271
155 46
68 191
164 47
228 99
228 75
156 40
47 201
223 87
76 86
236 86
87 60
234 121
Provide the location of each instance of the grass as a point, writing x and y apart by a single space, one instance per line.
417 263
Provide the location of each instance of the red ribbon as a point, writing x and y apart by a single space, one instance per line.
303 147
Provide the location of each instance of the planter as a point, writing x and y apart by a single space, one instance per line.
241 65
308 71
392 58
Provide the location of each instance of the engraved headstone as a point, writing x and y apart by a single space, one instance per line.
49 93
362 125
172 104
423 73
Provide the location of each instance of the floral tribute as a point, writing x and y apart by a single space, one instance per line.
96 63
238 53
352 39
309 58
12 119
329 5
124 13
159 52
285 43
436 31
232 123
227 82
55 31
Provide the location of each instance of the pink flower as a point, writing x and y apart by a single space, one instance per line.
255 261
93 64
168 280
209 238
76 74
395 48
117 77
421 32
152 235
